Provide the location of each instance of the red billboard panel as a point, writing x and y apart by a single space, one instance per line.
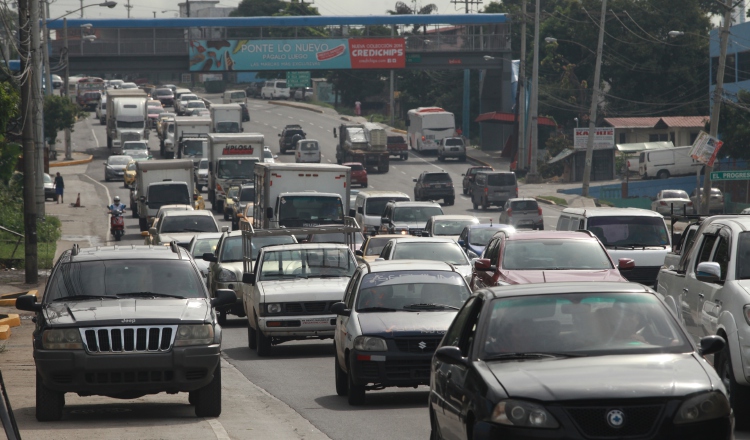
377 53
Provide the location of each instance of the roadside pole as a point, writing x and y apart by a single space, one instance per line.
38 107
523 140
532 176
68 153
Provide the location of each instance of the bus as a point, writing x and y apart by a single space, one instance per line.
427 126
89 84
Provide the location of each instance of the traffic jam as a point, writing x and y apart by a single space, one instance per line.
518 331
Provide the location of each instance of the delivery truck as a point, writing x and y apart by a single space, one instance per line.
126 117
226 118
159 183
232 158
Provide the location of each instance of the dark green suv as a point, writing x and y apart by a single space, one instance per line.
289 137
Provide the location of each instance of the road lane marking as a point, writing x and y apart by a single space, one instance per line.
219 431
403 172
320 126
274 127
101 184
313 124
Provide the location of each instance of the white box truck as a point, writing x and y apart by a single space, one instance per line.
232 158
126 117
280 200
162 182
661 164
187 127
226 118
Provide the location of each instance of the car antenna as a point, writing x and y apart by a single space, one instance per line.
75 250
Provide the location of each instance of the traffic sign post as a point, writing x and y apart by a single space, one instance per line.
730 175
298 79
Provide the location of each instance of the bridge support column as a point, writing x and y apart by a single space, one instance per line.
467 106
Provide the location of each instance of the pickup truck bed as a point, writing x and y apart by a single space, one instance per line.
397 147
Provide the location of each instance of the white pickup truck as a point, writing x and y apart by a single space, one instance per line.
709 291
288 290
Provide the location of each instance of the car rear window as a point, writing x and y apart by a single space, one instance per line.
357 167
524 205
188 223
162 92
555 255
309 146
674 195
437 177
450 142
290 133
247 195
396 140
280 85
507 179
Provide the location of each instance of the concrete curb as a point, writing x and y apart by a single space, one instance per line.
4 332
290 104
9 299
545 201
72 162
398 130
12 320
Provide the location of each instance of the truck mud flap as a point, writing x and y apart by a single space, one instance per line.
6 414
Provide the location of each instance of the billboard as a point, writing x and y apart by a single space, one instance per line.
705 148
306 54
604 138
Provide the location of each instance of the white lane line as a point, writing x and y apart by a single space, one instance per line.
329 160
274 127
320 126
290 117
265 123
95 138
99 183
312 124
402 172
219 431
268 111
278 114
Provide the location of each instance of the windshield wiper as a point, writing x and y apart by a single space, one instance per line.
377 309
153 294
84 297
529 355
325 276
430 306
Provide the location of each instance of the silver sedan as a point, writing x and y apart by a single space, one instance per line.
666 199
114 167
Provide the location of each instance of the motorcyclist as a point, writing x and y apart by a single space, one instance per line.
116 206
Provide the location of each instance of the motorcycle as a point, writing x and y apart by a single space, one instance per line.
116 223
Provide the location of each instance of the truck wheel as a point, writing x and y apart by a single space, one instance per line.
219 206
252 342
109 142
405 156
143 224
342 381
466 191
226 216
450 201
462 158
192 397
355 393
383 168
663 174
263 342
208 398
474 204
101 121
441 158
49 403
134 212
739 395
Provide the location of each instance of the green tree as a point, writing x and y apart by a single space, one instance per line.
402 8
9 110
734 127
59 113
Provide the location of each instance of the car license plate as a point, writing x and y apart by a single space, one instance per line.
454 148
316 321
525 222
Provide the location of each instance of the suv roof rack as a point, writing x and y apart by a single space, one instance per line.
75 250
175 248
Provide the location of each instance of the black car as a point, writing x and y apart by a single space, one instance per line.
574 361
433 185
289 137
126 322
245 112
253 90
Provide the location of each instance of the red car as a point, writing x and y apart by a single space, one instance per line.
359 174
545 257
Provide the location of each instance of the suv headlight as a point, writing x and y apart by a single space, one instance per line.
273 308
520 413
705 406
62 339
201 334
370 343
226 276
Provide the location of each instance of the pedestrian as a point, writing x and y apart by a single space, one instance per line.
358 108
459 132
59 187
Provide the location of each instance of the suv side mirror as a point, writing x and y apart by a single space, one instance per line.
413 180
450 355
708 272
483 264
625 263
360 210
334 133
208 256
224 297
711 344
152 231
352 213
269 212
248 278
28 303
339 308
384 220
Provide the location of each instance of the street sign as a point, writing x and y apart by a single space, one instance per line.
298 79
730 175
414 58
604 138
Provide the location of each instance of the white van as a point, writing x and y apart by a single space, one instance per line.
639 234
232 96
275 89
662 164
307 151
101 110
369 206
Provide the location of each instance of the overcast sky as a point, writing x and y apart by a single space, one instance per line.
146 8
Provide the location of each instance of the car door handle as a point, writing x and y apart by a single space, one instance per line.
448 376
701 296
685 289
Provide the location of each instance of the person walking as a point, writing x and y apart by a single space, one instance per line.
59 185
358 108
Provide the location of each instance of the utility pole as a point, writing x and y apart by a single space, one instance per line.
38 106
594 104
533 177
391 99
45 49
27 136
81 8
187 8
68 152
523 140
128 6
718 97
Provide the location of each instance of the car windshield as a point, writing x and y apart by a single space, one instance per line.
450 227
131 166
204 246
130 124
447 252
187 223
267 154
281 85
169 194
203 165
437 177
306 263
505 179
743 256
376 244
233 191
629 231
357 167
247 194
376 205
236 168
196 104
411 290
116 277
237 95
47 178
155 110
337 237
415 213
162 92
482 236
134 146
137 154
193 148
674 195
311 208
555 254
119 160
356 134
592 324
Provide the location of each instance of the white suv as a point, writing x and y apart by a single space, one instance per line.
275 90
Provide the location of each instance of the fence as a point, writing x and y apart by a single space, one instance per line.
13 251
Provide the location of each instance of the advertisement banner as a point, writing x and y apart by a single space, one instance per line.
705 148
604 138
307 54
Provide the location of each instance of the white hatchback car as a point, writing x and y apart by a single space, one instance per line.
446 250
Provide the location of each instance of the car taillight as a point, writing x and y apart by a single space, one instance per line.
663 203
516 191
485 190
218 187
510 212
423 138
690 203
539 210
628 164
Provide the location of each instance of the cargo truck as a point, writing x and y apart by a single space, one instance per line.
232 158
159 183
226 118
126 117
364 143
279 201
182 125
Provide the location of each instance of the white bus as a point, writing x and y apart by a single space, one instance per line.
427 126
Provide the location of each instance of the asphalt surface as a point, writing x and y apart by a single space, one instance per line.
301 373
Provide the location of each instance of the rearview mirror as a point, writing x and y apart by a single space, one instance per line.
483 264
352 213
152 231
413 180
711 344
360 210
269 212
383 220
461 242
450 355
248 278
359 253
208 256
224 297
28 303
339 308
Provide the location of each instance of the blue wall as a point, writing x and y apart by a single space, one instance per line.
638 188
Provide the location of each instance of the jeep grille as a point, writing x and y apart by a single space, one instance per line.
151 339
